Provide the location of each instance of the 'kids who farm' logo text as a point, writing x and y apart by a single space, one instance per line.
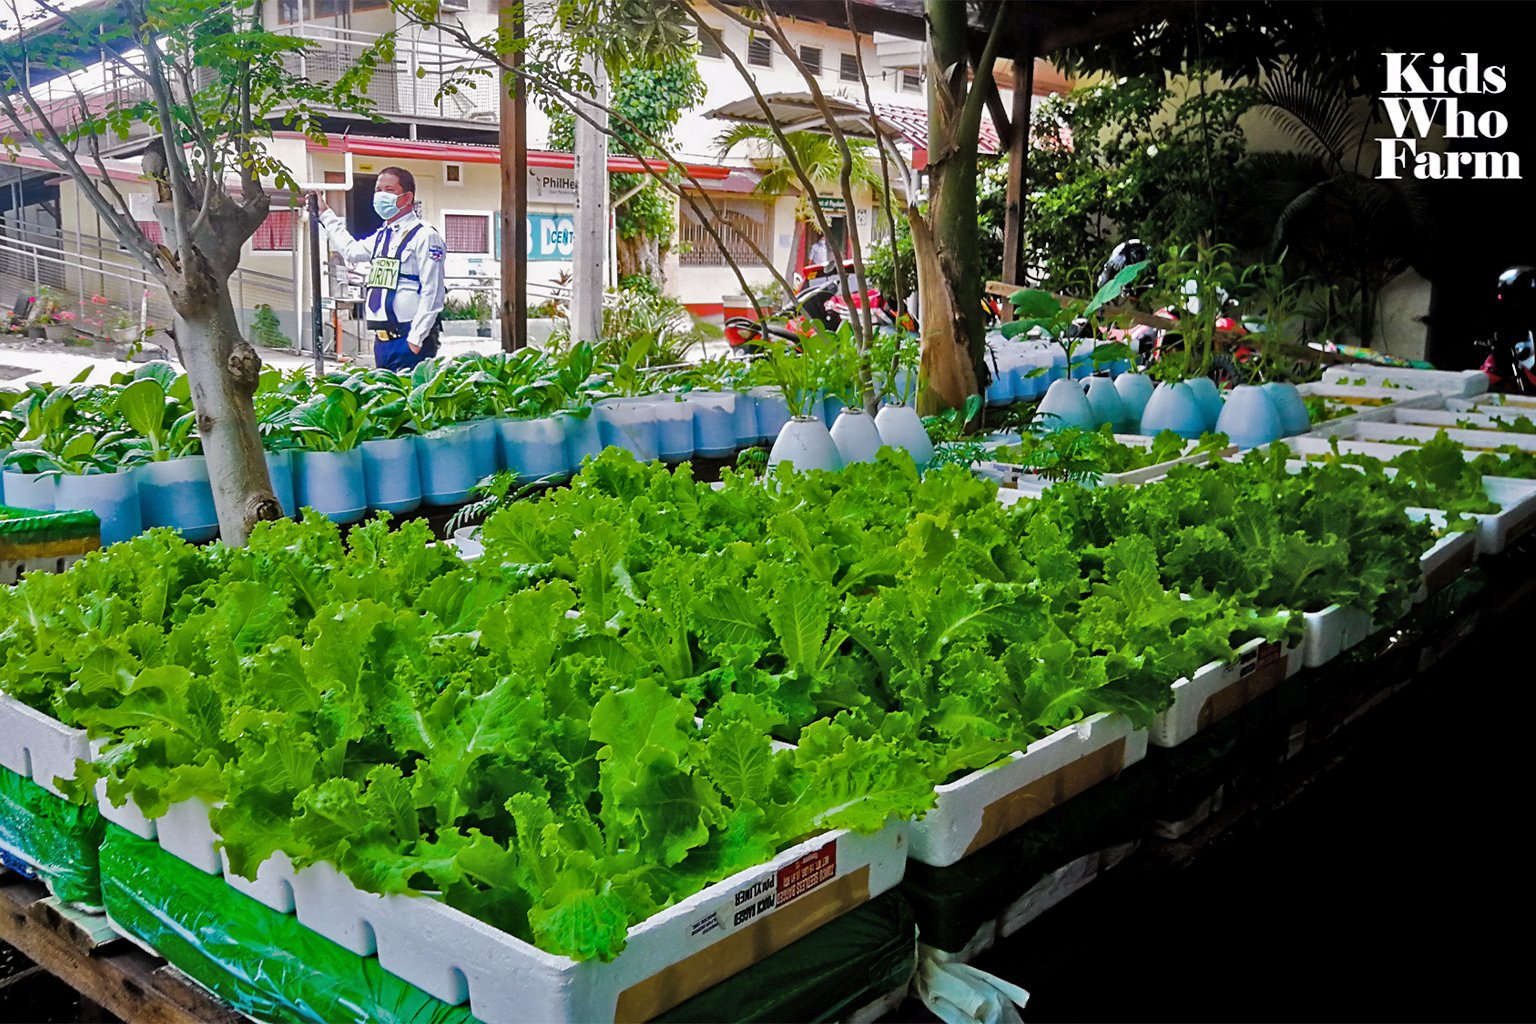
1423 91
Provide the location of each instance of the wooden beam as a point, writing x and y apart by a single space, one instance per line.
1018 161
119 976
514 187
1000 118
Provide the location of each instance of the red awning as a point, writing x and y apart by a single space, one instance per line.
477 153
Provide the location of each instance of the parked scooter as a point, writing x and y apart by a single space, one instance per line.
819 298
1511 361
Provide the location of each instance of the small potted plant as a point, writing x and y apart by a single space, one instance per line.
481 304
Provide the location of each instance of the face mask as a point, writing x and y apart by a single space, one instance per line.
386 204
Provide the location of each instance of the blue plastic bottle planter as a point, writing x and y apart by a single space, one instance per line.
772 413
1250 418
331 483
714 422
1209 396
829 407
1289 405
630 423
583 437
485 447
176 493
1105 402
1064 406
674 427
29 490
1000 391
280 469
114 497
1173 407
391 480
1135 390
746 419
534 448
447 465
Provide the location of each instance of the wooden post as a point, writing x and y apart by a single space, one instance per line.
514 186
1018 160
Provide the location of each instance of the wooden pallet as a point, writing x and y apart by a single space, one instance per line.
87 955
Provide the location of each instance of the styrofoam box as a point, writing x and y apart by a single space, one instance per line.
1216 690
37 746
1477 440
11 572
128 815
1331 632
1010 475
1451 382
1452 419
1343 395
671 956
1507 405
1447 558
974 810
1304 446
1516 515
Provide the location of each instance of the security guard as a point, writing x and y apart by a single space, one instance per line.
405 289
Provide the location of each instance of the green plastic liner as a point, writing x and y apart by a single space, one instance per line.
57 839
262 963
30 526
841 966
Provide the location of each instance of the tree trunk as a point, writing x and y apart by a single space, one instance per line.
223 370
641 256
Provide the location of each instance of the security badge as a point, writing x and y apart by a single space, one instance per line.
384 272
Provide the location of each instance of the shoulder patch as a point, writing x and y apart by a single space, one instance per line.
436 251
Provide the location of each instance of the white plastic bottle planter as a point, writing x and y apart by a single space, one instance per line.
1135 390
1289 405
114 497
772 413
583 437
1104 402
484 447
1173 407
331 483
856 437
391 477
447 465
674 427
280 471
714 422
1208 395
176 493
630 423
806 443
901 427
746 419
1064 405
1249 417
534 448
29 490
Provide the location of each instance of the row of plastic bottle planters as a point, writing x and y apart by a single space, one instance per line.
1022 371
437 469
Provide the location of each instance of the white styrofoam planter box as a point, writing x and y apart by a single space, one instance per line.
1505 405
1011 475
1412 434
1331 632
990 802
128 815
1453 420
1350 396
670 956
1516 515
37 746
1216 690
1447 558
184 832
1450 382
1305 446
273 886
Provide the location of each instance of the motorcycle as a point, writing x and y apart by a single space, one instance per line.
1511 360
819 298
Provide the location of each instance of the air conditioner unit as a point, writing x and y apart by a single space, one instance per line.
453 5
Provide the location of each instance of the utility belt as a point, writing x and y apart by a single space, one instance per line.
393 330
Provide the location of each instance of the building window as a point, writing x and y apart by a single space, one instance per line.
467 232
453 174
707 46
849 70
742 221
759 52
911 81
275 233
150 229
810 56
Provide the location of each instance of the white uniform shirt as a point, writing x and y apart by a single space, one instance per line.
417 302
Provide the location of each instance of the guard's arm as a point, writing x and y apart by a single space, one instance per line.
430 256
352 250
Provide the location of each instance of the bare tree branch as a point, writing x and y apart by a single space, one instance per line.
175 158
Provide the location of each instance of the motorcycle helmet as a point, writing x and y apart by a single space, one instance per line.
1515 303
1125 254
